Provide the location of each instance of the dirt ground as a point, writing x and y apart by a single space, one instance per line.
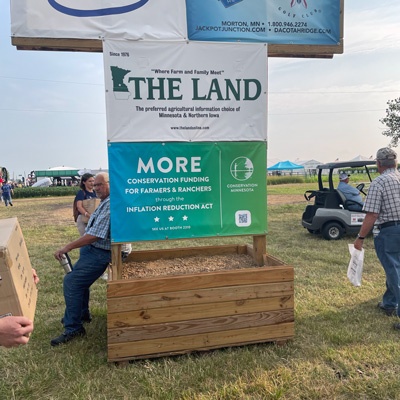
285 199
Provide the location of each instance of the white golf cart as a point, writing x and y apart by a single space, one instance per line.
330 214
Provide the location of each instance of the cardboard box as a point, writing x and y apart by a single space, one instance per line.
90 206
18 292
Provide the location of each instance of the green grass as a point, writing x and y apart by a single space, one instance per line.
343 347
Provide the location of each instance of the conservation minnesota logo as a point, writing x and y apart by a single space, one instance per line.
242 168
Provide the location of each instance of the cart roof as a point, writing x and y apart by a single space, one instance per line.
346 164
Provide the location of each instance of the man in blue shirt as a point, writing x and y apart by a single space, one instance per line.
350 192
95 255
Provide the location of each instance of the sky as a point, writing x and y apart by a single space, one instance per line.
52 104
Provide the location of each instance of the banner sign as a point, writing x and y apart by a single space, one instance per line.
185 91
93 19
310 22
187 190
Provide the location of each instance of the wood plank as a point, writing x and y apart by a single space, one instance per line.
205 325
271 261
200 296
167 254
205 341
57 44
95 46
196 311
275 341
122 361
247 276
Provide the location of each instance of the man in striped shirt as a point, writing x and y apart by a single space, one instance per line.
95 255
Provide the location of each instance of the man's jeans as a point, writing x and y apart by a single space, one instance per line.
7 199
91 265
387 247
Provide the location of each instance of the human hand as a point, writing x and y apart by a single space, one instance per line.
15 331
59 253
35 276
358 244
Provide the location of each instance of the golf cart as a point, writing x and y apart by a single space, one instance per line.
330 214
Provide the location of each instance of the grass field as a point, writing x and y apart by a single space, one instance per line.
343 347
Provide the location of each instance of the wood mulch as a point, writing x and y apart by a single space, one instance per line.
186 265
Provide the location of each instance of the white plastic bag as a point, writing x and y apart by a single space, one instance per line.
355 268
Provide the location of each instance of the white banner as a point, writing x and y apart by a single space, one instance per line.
185 91
93 19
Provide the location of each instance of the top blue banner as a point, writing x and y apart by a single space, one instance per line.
305 22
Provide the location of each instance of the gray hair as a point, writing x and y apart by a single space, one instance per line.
105 176
388 163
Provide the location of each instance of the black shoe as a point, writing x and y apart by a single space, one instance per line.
67 337
389 311
11 204
87 318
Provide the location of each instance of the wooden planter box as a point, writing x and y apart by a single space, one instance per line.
168 315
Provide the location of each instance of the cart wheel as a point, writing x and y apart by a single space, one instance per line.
333 231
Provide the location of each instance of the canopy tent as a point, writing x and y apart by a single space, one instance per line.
284 165
362 158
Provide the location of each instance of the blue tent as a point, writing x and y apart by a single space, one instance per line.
284 165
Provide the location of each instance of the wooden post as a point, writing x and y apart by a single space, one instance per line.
259 249
116 261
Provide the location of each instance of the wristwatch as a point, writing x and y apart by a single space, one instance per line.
360 237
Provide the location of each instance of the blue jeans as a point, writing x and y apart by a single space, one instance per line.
91 265
387 247
7 199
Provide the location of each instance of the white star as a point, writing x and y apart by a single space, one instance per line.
156 219
185 217
171 219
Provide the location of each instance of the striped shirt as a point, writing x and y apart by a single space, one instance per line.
99 225
384 196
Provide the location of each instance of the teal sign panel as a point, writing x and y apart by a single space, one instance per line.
177 190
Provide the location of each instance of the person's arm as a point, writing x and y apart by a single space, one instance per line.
366 228
76 244
15 331
79 206
81 209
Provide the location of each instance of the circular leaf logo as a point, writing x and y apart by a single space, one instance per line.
242 168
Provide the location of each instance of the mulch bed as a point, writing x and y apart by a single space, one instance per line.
186 265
